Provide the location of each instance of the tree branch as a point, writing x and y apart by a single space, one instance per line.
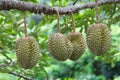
36 8
13 73
21 76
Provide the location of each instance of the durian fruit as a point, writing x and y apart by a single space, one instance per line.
98 38
78 44
60 47
28 52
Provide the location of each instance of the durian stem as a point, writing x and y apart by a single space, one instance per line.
73 22
97 15
25 27
58 19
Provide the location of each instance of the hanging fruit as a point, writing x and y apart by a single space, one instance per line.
59 46
77 41
98 36
27 49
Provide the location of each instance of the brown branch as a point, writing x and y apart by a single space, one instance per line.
21 76
35 8
13 73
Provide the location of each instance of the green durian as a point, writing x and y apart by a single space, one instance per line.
78 43
99 38
28 52
60 47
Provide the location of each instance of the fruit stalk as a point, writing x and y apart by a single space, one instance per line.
25 27
97 14
73 22
58 19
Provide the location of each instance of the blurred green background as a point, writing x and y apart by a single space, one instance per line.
41 26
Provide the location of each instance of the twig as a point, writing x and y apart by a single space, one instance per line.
113 11
75 2
14 73
41 8
21 76
45 73
4 54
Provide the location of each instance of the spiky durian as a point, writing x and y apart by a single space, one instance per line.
27 50
78 44
99 38
60 47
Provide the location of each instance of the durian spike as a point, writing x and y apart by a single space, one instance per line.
73 22
58 19
97 14
25 27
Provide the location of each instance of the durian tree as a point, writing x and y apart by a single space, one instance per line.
68 54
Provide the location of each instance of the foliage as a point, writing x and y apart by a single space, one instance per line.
88 67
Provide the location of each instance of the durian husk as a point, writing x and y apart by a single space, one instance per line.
28 52
78 43
60 47
99 38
